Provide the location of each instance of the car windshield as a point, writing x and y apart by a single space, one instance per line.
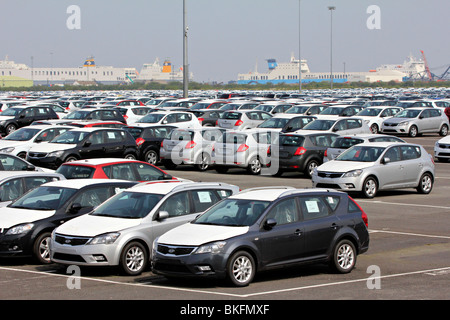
70 137
361 154
345 142
297 109
131 205
319 125
23 134
407 114
332 111
44 198
76 172
274 123
77 115
233 212
151 118
370 112
11 112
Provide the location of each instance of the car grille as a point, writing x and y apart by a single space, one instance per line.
171 267
68 257
329 174
37 154
327 186
444 146
71 241
174 250
390 124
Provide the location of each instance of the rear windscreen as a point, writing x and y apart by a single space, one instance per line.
76 172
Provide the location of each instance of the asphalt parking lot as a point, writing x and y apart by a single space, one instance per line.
408 258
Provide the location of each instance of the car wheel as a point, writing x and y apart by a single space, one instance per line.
444 130
425 184
151 157
133 259
10 128
312 164
241 268
220 169
130 156
254 166
71 158
370 187
22 155
41 248
169 165
413 132
374 128
203 162
344 256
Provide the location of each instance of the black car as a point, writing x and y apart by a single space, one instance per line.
301 152
84 143
148 140
208 118
97 114
20 116
27 223
264 228
287 123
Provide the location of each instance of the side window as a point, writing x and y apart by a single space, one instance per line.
265 116
171 118
34 182
203 199
410 152
96 138
393 154
177 205
353 123
92 197
284 212
313 207
340 125
333 201
113 136
183 117
11 190
121 171
147 172
224 193
12 164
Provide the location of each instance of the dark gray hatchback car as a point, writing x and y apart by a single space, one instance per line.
262 228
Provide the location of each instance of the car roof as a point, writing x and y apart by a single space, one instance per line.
81 183
167 186
18 174
385 144
101 161
92 129
272 193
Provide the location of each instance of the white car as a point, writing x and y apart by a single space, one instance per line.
442 149
20 141
374 116
339 125
180 119
133 113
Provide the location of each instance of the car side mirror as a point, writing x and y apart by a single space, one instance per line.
37 140
162 215
87 143
385 160
166 177
29 168
269 224
21 116
74 208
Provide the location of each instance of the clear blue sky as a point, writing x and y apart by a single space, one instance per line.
226 37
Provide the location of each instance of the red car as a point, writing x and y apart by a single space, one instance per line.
113 168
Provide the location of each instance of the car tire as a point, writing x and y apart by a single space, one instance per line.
151 156
169 165
254 166
370 187
130 156
444 130
425 184
221 169
41 250
310 166
22 155
413 131
71 158
133 259
203 162
10 128
374 128
241 268
344 256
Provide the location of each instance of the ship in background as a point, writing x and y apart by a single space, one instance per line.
165 73
288 72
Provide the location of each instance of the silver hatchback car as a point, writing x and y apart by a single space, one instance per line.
242 119
373 166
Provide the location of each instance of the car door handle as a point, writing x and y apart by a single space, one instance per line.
298 232
334 226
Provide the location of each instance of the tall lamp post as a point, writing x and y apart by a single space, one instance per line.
299 49
331 8
185 59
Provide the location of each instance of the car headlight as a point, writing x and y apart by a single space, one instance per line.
107 238
7 150
352 174
214 247
20 229
56 154
403 123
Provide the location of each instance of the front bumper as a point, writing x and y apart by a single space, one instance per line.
336 181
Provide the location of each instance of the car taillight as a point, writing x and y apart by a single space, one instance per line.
190 145
242 148
325 154
363 214
299 151
201 119
239 122
217 122
139 141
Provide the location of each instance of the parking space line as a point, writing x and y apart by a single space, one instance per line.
404 204
410 234
240 295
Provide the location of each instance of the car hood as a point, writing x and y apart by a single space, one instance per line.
397 120
51 147
445 139
191 234
11 216
12 143
343 166
3 118
90 226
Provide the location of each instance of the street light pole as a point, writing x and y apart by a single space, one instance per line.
299 49
185 59
331 8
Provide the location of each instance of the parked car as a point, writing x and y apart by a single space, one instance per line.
242 120
374 116
20 141
17 117
442 149
301 152
208 104
84 143
120 232
181 119
416 121
112 168
262 228
95 123
374 166
240 105
133 113
190 147
9 162
14 184
342 143
28 222
346 125
307 109
274 108
97 114
208 118
148 140
340 111
286 122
